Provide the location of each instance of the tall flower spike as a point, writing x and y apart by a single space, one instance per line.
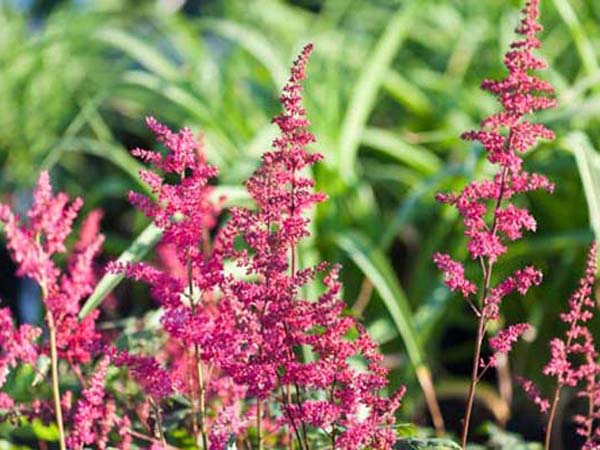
272 321
491 221
33 246
574 357
184 286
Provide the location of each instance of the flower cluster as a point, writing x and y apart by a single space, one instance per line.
274 322
33 245
574 357
490 218
17 345
534 394
234 343
489 224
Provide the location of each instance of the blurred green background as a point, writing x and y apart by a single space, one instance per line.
392 85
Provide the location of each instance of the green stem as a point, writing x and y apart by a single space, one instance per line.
55 384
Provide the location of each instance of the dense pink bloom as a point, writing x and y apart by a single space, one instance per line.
578 339
520 281
454 275
504 340
17 345
183 210
505 135
270 318
6 402
148 373
33 246
94 415
491 219
534 394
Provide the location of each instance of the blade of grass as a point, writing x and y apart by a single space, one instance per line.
136 251
584 46
369 81
140 51
588 165
389 143
112 152
254 43
406 93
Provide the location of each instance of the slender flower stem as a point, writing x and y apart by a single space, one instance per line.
143 437
194 399
553 408
482 319
199 370
559 386
293 262
259 430
55 384
159 428
474 379
202 398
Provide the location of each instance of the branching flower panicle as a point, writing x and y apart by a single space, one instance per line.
34 245
490 219
574 358
273 322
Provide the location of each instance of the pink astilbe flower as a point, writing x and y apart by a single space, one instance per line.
504 340
574 359
94 415
454 275
578 339
186 214
520 282
148 373
185 281
17 345
272 321
33 246
490 218
534 394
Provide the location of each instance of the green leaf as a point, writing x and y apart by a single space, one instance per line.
45 432
369 81
588 164
136 251
375 266
140 51
42 366
406 93
426 444
254 43
584 46
112 152
392 145
503 440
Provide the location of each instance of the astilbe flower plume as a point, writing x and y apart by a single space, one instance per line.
490 218
33 245
273 321
17 346
184 282
574 358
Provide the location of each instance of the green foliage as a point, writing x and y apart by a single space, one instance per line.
426 444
